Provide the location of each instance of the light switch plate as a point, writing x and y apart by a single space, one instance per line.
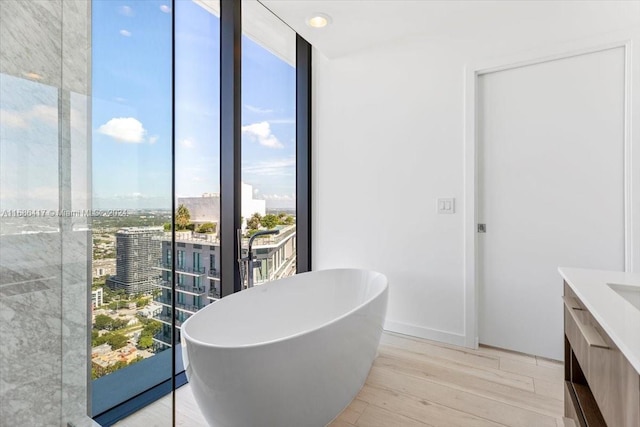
446 205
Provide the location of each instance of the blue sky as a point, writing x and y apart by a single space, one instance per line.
131 117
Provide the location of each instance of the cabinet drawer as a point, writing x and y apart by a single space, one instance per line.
576 338
614 383
571 405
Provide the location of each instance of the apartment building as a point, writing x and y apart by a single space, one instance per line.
137 253
198 272
97 298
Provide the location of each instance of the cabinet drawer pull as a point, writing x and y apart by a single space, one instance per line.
571 302
589 333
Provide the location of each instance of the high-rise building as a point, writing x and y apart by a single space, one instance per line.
138 251
198 272
198 260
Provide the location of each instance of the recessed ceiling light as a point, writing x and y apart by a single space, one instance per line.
318 20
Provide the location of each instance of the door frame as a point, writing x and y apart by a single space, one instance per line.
472 73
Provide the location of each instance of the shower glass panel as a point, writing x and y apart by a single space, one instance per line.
269 141
44 211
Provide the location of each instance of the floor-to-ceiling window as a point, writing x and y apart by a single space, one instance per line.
158 113
132 134
269 140
197 153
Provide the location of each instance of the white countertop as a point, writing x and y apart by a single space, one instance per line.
617 316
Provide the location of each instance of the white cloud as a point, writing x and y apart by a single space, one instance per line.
280 167
125 33
126 10
124 129
186 143
153 139
278 197
165 8
13 119
261 132
257 109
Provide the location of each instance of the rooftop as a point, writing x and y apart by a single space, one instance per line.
212 239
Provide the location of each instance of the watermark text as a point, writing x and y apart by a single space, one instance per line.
62 213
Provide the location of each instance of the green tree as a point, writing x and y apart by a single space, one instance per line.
117 340
152 328
118 324
145 341
289 220
251 232
98 283
166 226
183 217
111 295
253 223
102 322
98 340
142 302
207 227
269 221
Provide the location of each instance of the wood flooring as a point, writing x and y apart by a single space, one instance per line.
415 382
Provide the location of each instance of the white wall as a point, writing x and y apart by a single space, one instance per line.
389 140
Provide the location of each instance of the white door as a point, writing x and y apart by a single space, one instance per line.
550 191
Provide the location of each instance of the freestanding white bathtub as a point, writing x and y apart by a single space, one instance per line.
290 353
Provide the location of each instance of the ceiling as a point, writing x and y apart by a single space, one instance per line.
360 24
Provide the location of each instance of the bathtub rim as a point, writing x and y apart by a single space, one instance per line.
186 337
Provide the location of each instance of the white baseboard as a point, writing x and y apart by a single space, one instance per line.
426 333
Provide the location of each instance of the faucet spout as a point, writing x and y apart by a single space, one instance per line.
261 233
250 259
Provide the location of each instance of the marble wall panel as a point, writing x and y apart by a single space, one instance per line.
30 372
76 46
31 40
45 166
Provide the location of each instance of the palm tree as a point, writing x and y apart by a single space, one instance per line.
183 217
254 221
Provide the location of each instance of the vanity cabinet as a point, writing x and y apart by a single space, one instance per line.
601 386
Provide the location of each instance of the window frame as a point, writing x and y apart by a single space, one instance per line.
230 188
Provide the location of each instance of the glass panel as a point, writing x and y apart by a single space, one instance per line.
197 170
31 240
44 213
197 153
131 122
268 142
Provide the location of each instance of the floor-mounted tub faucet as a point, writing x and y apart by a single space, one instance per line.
249 259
